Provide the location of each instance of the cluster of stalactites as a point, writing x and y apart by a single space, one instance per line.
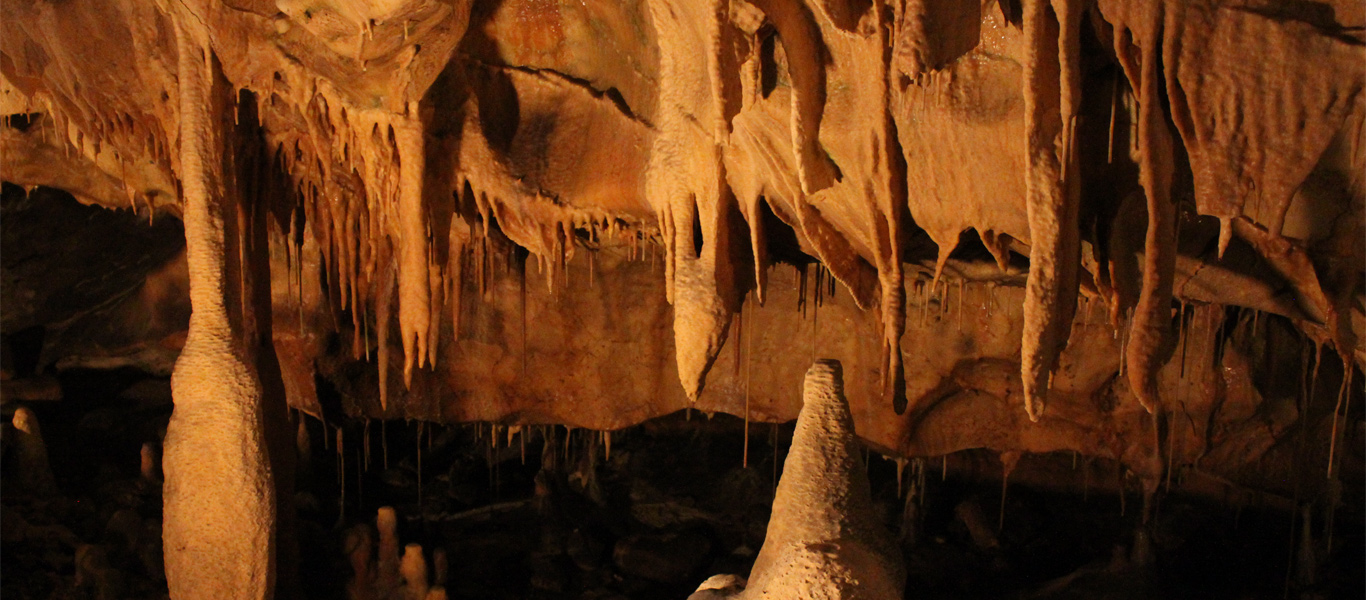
360 176
118 141
369 210
717 157
716 154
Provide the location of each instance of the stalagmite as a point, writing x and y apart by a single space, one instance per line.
219 505
32 472
439 566
149 466
94 571
359 547
388 578
414 571
824 540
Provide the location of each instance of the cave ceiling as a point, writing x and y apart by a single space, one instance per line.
1021 225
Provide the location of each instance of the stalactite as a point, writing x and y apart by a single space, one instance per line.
420 427
1344 397
749 365
1147 343
414 283
383 302
436 295
341 474
1053 199
303 443
900 468
1008 462
365 443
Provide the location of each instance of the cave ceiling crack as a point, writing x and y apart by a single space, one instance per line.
611 95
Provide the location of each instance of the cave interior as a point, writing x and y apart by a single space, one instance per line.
702 299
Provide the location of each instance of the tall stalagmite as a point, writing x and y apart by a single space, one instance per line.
824 540
219 495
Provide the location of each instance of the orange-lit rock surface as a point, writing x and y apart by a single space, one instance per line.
1126 228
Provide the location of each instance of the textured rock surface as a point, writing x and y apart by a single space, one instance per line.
1146 214
824 540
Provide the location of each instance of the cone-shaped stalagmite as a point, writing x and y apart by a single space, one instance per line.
824 541
31 470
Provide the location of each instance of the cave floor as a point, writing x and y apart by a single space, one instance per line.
547 513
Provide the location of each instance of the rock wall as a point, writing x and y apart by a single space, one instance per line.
1145 216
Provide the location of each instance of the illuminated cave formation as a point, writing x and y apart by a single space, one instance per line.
1130 233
